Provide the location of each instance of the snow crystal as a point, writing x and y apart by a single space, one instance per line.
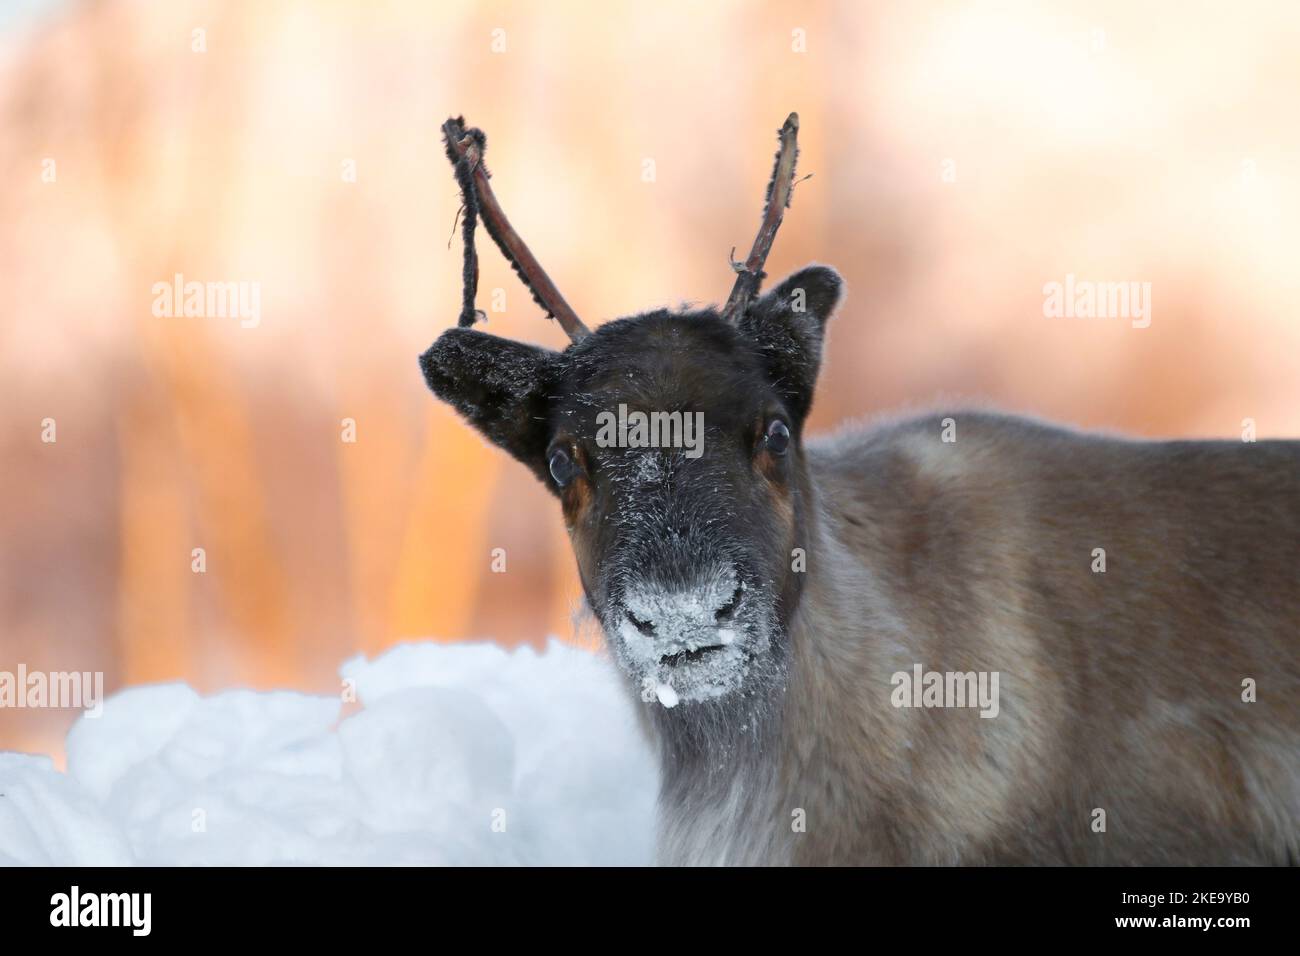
648 468
667 696
459 754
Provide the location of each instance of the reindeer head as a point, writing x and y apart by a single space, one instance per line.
673 440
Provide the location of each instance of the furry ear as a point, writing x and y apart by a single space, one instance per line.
500 386
788 323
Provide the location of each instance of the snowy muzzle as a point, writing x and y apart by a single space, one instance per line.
687 644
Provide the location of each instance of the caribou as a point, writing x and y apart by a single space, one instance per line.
1131 607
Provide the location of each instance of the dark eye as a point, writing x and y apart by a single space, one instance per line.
777 437
562 467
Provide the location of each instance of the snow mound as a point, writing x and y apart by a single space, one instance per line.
458 754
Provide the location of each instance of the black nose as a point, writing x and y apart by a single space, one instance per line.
725 612
645 627
653 611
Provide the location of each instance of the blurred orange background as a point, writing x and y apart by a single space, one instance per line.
963 155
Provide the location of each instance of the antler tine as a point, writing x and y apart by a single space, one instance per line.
465 148
750 273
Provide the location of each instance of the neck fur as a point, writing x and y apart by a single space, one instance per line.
728 774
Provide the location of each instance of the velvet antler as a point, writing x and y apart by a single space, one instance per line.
465 148
750 272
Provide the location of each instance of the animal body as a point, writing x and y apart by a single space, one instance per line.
960 638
